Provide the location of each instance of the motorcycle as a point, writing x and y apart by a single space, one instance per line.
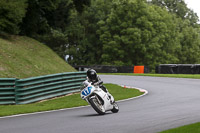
98 99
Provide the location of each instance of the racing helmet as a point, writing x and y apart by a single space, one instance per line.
92 75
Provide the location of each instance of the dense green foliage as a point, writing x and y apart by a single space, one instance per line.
135 32
138 35
11 14
112 32
178 7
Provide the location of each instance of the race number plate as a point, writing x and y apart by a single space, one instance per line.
87 91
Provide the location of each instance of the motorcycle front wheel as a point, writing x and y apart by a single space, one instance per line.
97 105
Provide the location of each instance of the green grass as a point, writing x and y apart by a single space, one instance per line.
22 57
194 76
65 102
193 128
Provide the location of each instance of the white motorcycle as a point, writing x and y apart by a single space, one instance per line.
98 99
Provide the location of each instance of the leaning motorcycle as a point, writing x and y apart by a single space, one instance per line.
98 99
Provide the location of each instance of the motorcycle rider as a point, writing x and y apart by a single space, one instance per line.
95 79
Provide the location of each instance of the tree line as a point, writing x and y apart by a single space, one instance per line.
109 32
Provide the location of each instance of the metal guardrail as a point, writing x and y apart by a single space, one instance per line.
7 91
44 87
178 69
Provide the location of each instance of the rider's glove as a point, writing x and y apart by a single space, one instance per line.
95 84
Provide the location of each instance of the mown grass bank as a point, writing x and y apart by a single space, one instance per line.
193 76
23 57
193 128
70 101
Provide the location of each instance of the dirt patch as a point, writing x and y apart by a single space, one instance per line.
2 69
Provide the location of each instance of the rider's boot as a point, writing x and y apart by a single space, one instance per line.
109 95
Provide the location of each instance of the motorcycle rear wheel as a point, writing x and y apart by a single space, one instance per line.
115 108
97 106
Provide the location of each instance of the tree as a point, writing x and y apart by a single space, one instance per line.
128 32
139 34
84 45
79 4
44 15
187 27
11 15
179 7
40 17
190 44
48 21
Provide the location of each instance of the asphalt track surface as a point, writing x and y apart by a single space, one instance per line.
171 103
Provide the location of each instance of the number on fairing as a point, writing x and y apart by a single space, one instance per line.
86 91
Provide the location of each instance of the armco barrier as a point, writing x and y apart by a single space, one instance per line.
7 91
43 87
110 69
106 69
178 69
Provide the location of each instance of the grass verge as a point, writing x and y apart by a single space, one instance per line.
193 128
23 57
70 101
194 76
